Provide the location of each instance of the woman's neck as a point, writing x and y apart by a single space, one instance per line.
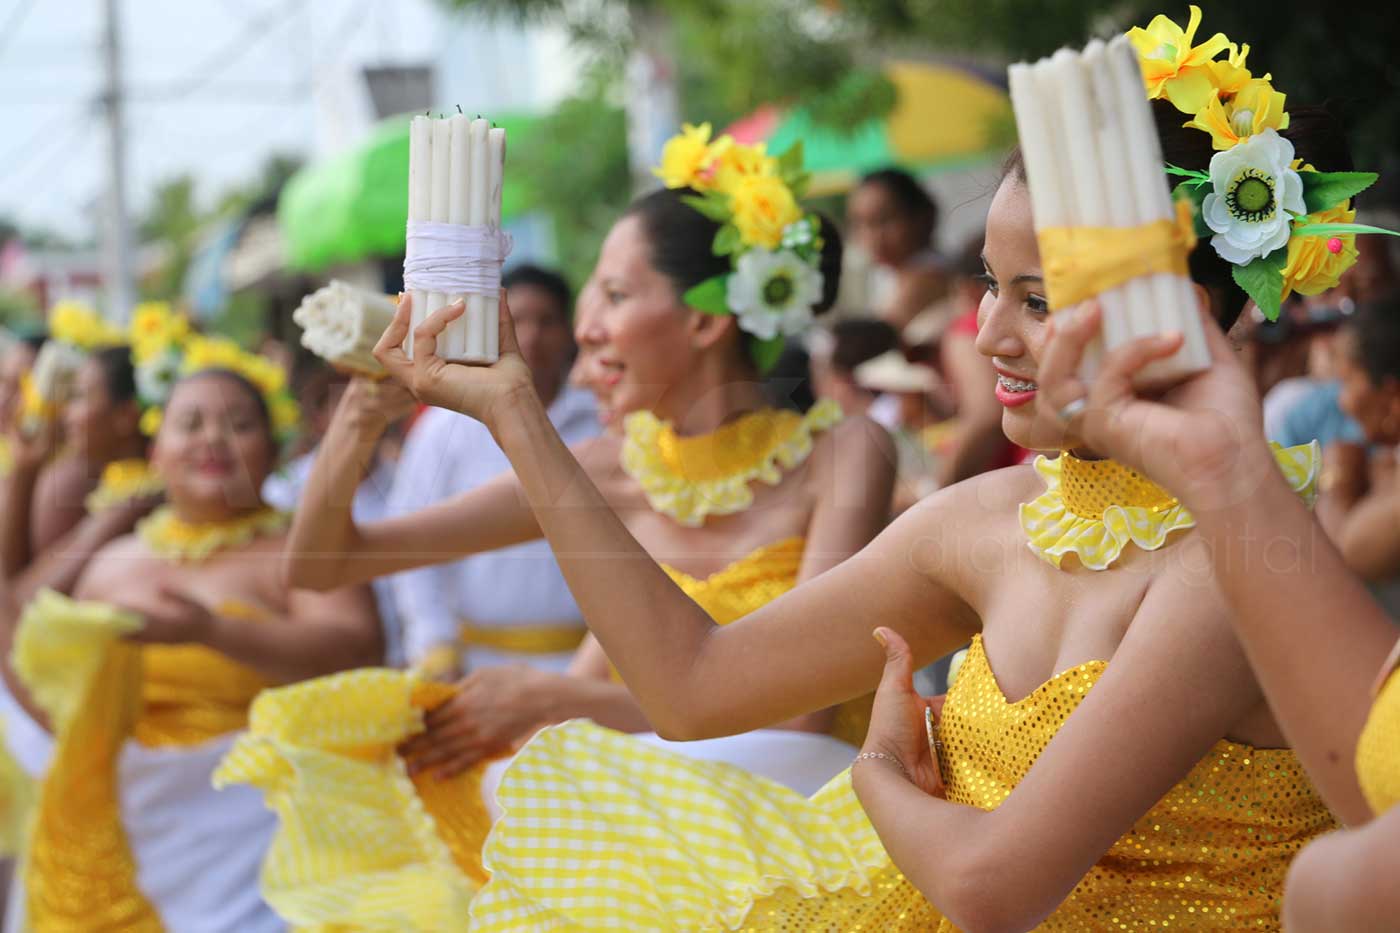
716 391
212 513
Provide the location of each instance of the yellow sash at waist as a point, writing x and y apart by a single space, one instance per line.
531 638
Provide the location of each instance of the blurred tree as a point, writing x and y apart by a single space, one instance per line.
581 184
172 221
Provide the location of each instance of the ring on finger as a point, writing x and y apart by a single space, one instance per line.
1071 410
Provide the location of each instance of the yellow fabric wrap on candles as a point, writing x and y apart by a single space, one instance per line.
324 753
547 638
1081 262
99 690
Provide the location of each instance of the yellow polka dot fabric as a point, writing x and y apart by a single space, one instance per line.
361 845
1378 749
1094 509
603 833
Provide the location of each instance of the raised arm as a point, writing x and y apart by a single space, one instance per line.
1314 635
327 549
17 488
806 651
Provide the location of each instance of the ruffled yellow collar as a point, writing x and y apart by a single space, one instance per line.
173 538
123 481
691 478
1094 509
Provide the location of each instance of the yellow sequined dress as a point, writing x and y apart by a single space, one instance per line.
658 842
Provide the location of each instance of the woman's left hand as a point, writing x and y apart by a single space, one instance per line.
479 391
493 711
898 721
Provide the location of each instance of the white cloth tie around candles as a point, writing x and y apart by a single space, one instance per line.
455 259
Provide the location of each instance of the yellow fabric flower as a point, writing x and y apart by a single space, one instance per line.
82 327
763 206
150 421
1230 76
154 329
1312 266
687 156
738 162
1255 108
1172 67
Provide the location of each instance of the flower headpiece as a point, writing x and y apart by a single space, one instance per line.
774 248
164 349
75 330
1284 226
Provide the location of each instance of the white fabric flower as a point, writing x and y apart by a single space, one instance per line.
1256 192
773 293
798 233
156 378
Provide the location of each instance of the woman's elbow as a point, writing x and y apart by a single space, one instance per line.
300 572
980 896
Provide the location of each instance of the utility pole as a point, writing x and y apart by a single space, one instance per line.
116 240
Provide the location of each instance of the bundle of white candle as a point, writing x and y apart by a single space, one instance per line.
52 379
341 324
455 244
1093 160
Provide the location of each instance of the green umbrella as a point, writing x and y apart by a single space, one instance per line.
354 206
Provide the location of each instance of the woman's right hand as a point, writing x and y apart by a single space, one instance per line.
370 405
1203 439
479 391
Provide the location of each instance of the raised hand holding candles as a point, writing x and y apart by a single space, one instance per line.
1103 209
455 244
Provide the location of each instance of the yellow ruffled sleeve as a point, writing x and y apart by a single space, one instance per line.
361 846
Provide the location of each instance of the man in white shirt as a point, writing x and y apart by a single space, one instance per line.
511 605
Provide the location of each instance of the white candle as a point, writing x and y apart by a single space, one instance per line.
452 345
1174 298
420 178
441 190
496 161
1089 205
476 216
1047 196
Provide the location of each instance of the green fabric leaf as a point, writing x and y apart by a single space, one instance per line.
727 240
714 206
1197 177
1262 280
710 296
1322 190
765 353
1339 230
790 162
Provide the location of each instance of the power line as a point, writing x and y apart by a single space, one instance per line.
18 14
224 57
16 156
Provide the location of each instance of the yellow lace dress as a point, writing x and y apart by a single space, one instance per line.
601 833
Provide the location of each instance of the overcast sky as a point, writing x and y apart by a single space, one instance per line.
214 87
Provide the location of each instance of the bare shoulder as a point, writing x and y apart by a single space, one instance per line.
855 441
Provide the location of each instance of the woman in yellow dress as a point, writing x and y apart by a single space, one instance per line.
739 499
1110 762
146 675
1315 636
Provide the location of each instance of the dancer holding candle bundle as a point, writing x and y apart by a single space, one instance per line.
740 500
1104 758
146 674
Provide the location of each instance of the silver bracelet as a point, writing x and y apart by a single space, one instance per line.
866 756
